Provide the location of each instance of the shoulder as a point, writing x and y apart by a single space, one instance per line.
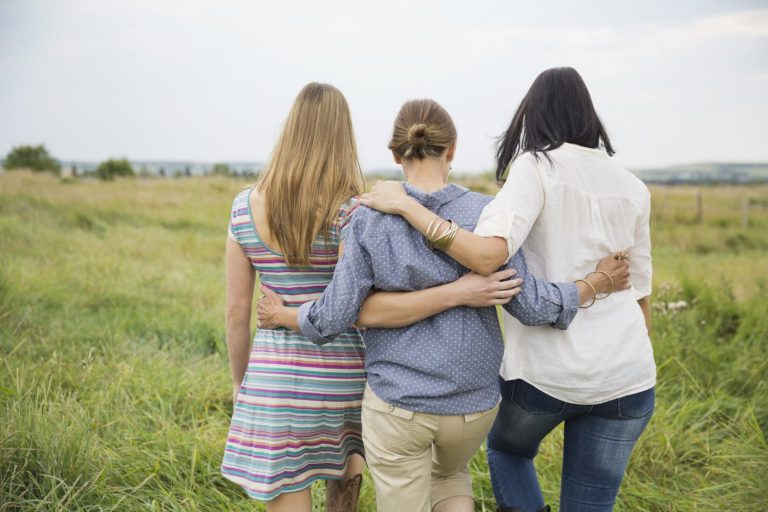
346 211
636 188
348 207
364 216
370 223
240 204
476 198
531 167
527 161
240 215
638 185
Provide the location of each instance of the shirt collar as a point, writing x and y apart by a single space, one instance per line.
437 198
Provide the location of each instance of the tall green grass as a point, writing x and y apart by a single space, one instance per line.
114 387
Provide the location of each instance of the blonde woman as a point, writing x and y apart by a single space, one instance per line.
296 416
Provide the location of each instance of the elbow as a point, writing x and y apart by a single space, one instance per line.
527 318
490 256
237 315
487 264
365 320
533 321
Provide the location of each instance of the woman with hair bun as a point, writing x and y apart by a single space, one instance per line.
433 340
566 204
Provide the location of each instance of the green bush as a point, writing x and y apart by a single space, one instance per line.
112 168
221 170
36 158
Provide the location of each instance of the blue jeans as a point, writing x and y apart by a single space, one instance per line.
598 442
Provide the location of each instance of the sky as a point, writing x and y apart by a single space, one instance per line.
674 82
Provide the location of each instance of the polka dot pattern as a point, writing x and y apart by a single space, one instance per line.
446 364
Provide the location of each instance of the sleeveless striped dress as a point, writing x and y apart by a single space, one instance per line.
297 413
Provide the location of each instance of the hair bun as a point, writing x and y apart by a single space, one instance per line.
417 134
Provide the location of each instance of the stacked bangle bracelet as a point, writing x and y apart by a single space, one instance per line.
595 298
445 239
594 293
609 276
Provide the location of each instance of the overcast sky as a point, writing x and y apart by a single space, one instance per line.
674 82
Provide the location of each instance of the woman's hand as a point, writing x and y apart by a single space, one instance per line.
478 291
235 392
268 309
386 197
617 268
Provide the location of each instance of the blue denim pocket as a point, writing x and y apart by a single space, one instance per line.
638 405
535 402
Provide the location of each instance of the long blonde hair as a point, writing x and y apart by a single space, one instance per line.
313 169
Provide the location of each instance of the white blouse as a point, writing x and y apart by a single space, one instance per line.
567 215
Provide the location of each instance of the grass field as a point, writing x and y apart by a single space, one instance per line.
114 386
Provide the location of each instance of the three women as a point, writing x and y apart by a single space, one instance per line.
431 365
432 391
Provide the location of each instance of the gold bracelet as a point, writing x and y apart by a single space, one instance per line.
446 238
431 225
594 293
433 237
609 276
432 230
451 237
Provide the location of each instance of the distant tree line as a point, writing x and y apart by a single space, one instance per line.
38 158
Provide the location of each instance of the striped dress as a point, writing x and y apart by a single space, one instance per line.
297 413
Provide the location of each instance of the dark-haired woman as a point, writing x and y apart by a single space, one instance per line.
432 362
566 204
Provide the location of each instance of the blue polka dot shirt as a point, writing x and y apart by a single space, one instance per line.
449 363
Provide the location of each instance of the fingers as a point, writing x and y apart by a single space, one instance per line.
512 283
502 275
268 292
506 295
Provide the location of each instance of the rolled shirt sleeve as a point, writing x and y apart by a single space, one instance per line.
339 306
640 265
514 210
541 302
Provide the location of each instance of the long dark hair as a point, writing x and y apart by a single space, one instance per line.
556 109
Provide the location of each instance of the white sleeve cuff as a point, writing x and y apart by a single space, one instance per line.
496 221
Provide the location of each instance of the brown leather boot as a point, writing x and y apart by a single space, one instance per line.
340 497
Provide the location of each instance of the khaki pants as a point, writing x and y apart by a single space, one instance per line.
417 460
